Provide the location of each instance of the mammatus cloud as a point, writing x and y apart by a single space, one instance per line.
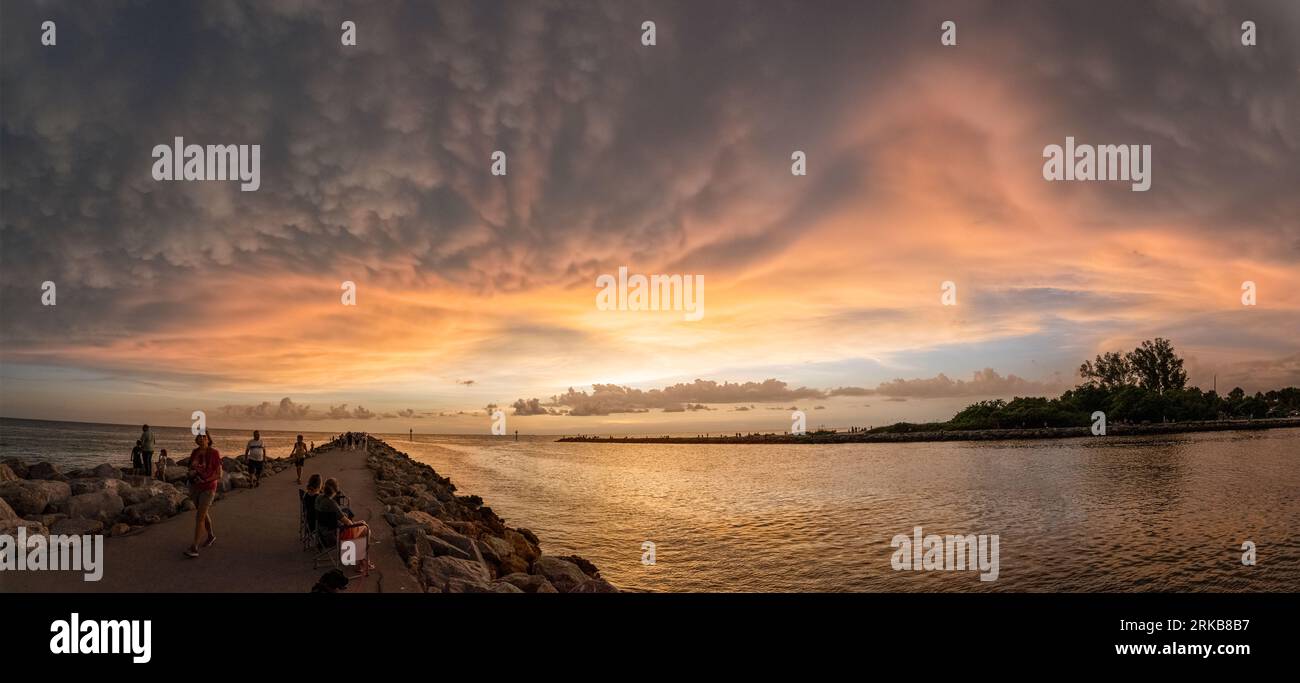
924 167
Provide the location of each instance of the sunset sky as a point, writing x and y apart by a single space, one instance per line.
924 166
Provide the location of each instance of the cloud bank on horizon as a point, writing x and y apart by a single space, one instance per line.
924 166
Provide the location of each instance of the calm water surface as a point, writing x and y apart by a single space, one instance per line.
1115 514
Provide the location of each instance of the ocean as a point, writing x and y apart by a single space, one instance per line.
1167 513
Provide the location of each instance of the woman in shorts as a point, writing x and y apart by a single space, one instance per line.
205 474
299 456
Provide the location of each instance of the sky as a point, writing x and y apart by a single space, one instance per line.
473 290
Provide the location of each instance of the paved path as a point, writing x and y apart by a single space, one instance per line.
257 548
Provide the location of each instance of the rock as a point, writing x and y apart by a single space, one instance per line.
7 512
47 520
10 528
32 497
437 574
596 585
161 506
120 529
240 481
521 546
177 475
532 537
494 587
501 554
104 506
17 466
585 565
77 527
7 474
106 471
91 485
44 470
429 523
529 583
186 505
562 574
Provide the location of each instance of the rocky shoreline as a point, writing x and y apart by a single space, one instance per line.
456 544
825 437
449 543
104 499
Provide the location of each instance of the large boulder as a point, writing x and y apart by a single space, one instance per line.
31 497
501 554
450 574
7 474
161 506
81 486
17 466
178 475
596 585
77 527
45 470
562 574
529 583
134 495
10 528
104 506
7 512
519 543
106 471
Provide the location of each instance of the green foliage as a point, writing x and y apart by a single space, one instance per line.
1148 384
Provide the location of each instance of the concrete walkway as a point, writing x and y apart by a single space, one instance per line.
257 548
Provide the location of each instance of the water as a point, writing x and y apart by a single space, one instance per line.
1115 514
77 444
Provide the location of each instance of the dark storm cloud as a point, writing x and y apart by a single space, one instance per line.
375 158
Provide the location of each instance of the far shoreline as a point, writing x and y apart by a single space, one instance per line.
1014 434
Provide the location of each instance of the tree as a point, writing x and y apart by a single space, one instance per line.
1156 367
1111 370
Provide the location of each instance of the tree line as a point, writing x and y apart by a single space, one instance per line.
1147 384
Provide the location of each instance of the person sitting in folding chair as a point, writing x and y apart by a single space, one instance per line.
307 512
333 526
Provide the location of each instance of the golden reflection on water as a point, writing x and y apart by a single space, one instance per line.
1118 514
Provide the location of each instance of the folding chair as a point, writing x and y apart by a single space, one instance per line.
357 535
307 519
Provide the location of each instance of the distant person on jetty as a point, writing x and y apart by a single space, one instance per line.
299 456
146 450
205 474
255 454
137 458
349 447
160 472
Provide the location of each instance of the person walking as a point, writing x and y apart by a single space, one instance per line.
299 456
255 455
205 474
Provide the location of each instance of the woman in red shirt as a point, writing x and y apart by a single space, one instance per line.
205 473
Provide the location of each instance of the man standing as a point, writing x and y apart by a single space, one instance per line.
255 454
146 450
